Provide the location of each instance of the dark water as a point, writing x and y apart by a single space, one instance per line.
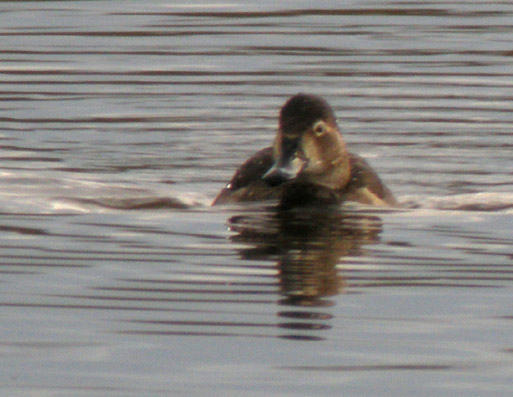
120 121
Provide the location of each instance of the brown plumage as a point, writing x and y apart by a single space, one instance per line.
308 164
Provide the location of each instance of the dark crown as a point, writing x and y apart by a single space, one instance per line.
301 111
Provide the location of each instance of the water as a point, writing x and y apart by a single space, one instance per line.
120 121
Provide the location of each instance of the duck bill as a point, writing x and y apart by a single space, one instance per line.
283 172
287 167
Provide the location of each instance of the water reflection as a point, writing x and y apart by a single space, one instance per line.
306 244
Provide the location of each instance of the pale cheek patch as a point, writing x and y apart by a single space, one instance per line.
313 154
277 147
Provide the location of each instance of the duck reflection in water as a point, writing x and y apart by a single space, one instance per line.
307 244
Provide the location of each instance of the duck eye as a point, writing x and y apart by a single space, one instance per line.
320 128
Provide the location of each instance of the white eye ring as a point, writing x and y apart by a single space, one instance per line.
320 128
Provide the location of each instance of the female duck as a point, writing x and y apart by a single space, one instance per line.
307 164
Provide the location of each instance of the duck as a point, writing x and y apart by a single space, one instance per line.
307 164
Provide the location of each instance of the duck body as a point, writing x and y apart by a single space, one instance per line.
308 164
247 184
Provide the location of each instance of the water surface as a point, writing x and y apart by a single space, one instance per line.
120 121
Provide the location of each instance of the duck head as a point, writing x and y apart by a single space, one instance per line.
308 146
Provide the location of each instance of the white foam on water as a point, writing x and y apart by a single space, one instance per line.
33 193
38 194
482 201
